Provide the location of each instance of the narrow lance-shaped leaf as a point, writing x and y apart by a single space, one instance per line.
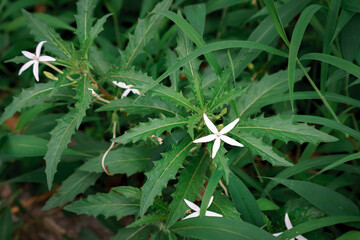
107 204
258 147
244 201
60 137
95 30
285 129
269 85
83 98
321 197
28 97
188 187
75 184
153 127
144 32
191 70
84 19
296 38
42 32
163 170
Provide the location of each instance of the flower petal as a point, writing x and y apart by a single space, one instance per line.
216 147
191 205
195 214
230 141
287 222
38 48
46 59
120 84
26 66
277 234
127 91
29 55
210 125
212 214
36 70
300 238
207 138
210 202
135 91
229 127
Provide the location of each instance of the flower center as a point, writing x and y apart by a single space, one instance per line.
218 134
35 57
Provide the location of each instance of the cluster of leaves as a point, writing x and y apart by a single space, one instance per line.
181 77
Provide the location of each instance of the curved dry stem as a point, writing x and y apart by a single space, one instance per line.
107 151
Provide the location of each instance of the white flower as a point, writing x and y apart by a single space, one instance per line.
289 226
197 210
35 59
127 87
217 136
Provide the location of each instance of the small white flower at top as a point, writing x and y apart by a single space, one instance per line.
197 210
217 136
35 59
127 87
289 226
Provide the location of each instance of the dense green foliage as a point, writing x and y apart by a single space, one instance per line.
109 131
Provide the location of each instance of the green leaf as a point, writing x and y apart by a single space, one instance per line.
144 31
147 219
163 170
222 205
244 201
153 127
227 97
28 97
213 47
329 123
335 61
222 162
137 233
83 97
36 176
196 14
191 70
60 137
95 30
42 32
124 160
188 187
214 5
75 184
141 81
129 192
285 129
276 19
84 19
210 228
28 146
296 38
341 161
265 33
54 22
193 121
144 106
267 205
321 197
301 167
194 36
6 224
107 204
268 86
349 235
316 224
210 189
258 147
351 5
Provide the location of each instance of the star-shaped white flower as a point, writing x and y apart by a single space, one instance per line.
35 59
217 136
197 210
127 87
289 226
